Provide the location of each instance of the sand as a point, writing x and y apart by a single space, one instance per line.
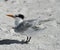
45 31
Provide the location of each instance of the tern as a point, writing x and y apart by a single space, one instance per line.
19 24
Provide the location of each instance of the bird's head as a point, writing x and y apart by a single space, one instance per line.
13 16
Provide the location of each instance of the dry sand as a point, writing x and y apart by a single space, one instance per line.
45 31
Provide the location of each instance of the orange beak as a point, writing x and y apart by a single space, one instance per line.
10 15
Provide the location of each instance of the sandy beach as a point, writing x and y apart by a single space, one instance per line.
45 30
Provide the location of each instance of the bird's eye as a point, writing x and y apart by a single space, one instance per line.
15 15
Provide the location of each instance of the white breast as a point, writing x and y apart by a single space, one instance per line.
18 21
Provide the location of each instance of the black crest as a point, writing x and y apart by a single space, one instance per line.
20 16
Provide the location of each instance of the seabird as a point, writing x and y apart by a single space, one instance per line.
19 20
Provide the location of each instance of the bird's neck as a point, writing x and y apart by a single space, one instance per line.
18 21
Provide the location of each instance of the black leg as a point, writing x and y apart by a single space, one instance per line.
28 40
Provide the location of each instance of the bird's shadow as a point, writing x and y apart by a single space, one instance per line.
9 41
